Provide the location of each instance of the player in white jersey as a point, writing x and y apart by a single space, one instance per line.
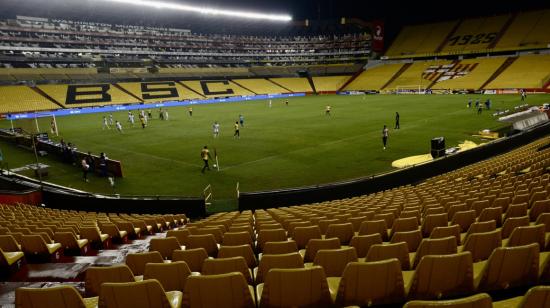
118 126
131 118
216 129
105 124
111 119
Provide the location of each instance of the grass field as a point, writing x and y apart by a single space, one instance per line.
280 147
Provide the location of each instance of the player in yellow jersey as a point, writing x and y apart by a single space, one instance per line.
205 155
327 110
237 133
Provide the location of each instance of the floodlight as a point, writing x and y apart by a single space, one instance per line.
205 10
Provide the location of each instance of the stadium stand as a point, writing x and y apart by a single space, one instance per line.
465 266
420 39
260 86
374 78
330 83
528 71
475 34
296 84
412 77
159 91
528 30
477 72
87 95
216 88
22 98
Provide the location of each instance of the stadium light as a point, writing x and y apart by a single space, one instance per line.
205 10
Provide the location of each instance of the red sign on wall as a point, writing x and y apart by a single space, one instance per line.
378 36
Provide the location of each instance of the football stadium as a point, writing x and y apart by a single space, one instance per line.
178 153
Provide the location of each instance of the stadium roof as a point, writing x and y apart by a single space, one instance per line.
395 13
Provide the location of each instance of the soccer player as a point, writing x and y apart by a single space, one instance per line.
129 116
161 114
52 127
397 120
111 119
131 119
286 102
523 94
477 102
142 120
241 120
327 110
216 129
385 134
105 124
479 109
269 103
190 110
149 114
237 133
469 103
205 155
166 114
118 127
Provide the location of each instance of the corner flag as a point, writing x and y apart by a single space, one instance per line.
216 157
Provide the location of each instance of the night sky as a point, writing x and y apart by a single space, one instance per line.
394 13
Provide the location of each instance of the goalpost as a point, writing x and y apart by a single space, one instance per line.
38 122
410 89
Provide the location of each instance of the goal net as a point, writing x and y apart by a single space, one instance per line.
410 89
39 122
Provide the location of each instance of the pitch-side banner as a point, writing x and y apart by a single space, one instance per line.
114 108
378 36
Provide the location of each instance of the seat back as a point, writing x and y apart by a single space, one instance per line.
146 293
96 276
539 207
33 244
226 265
302 235
510 267
513 222
137 261
172 276
315 245
443 276
516 210
482 244
333 261
216 232
275 248
432 221
288 260
206 241
304 287
412 238
8 243
193 257
491 213
273 235
237 239
404 225
66 239
400 251
479 206
479 227
344 232
357 286
56 297
544 219
362 243
374 227
440 246
464 219
231 291
441 232
244 251
527 235
165 246
481 300
91 234
181 235
536 297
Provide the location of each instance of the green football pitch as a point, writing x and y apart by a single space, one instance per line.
280 147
